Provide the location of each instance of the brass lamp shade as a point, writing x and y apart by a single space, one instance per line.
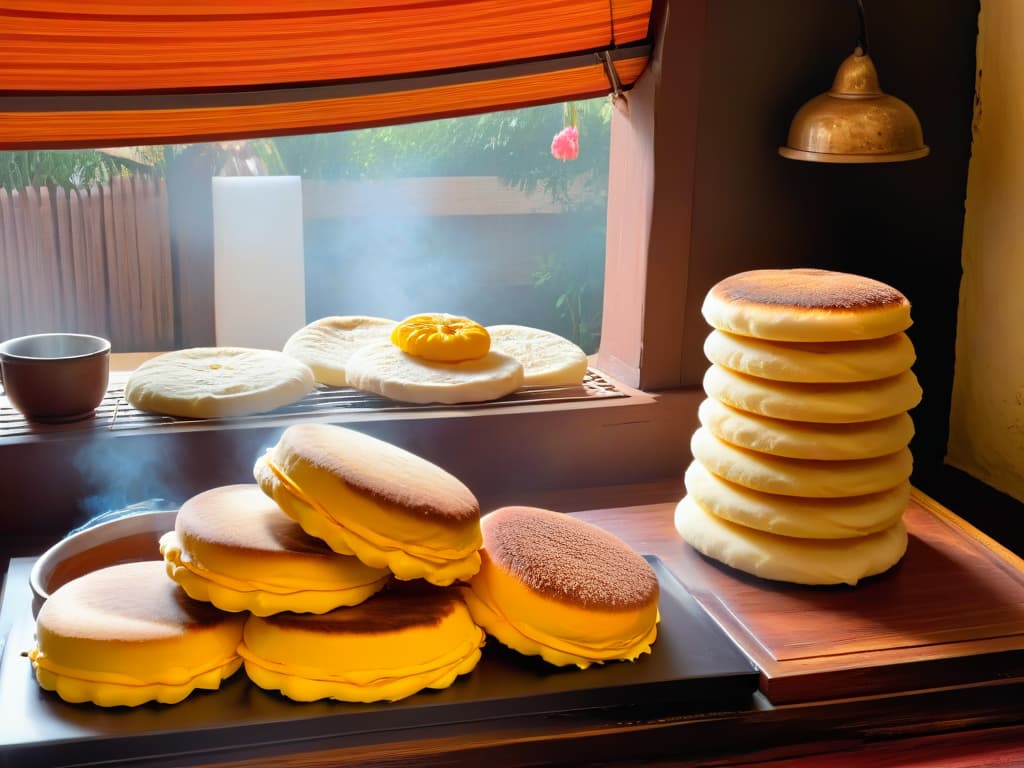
855 122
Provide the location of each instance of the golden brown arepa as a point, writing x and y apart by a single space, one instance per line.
806 305
822 403
558 587
800 477
806 439
366 497
408 637
126 634
797 516
782 558
233 546
833 362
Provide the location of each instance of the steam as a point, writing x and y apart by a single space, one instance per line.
380 250
136 474
127 478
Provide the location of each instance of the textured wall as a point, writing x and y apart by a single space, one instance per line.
901 223
986 429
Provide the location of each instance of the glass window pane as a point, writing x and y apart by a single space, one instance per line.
472 215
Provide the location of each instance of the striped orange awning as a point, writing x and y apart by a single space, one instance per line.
108 72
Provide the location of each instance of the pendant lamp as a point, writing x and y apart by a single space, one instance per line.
854 121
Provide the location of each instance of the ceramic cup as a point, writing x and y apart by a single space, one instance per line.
55 377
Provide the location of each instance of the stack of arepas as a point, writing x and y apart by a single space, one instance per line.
351 570
801 463
340 553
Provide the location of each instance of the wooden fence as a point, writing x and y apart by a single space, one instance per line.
92 260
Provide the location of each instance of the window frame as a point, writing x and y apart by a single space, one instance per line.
651 185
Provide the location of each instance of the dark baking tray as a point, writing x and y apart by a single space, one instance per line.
694 667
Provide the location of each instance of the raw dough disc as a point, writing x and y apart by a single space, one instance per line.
217 382
325 345
548 359
384 369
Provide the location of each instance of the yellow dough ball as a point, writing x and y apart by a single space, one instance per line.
441 337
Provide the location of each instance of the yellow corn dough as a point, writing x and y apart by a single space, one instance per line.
126 634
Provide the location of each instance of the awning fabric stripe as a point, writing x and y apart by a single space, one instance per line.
123 54
71 128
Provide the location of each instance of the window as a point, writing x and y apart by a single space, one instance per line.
470 215
616 445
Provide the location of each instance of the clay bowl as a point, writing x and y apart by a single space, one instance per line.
126 539
55 377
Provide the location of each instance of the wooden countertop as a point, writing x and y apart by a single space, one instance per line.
928 686
126 362
970 632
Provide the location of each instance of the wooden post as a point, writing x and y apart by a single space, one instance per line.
45 257
99 292
164 269
190 212
64 252
10 273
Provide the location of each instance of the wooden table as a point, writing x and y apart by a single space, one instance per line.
921 666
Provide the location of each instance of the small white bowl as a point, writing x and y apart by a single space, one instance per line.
127 539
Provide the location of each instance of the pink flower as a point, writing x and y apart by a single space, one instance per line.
566 144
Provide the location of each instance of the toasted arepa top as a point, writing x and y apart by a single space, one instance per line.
322 453
242 517
568 559
806 305
129 602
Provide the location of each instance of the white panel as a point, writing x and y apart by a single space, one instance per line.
259 275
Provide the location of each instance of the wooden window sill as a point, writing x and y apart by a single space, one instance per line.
564 455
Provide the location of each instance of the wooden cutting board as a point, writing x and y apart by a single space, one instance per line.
950 612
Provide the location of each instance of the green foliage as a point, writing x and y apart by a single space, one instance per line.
82 168
64 168
513 145
574 279
251 157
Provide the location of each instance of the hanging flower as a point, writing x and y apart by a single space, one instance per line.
566 144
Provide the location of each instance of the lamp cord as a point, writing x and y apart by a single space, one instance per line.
862 42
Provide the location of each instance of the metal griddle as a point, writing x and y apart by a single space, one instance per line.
694 667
